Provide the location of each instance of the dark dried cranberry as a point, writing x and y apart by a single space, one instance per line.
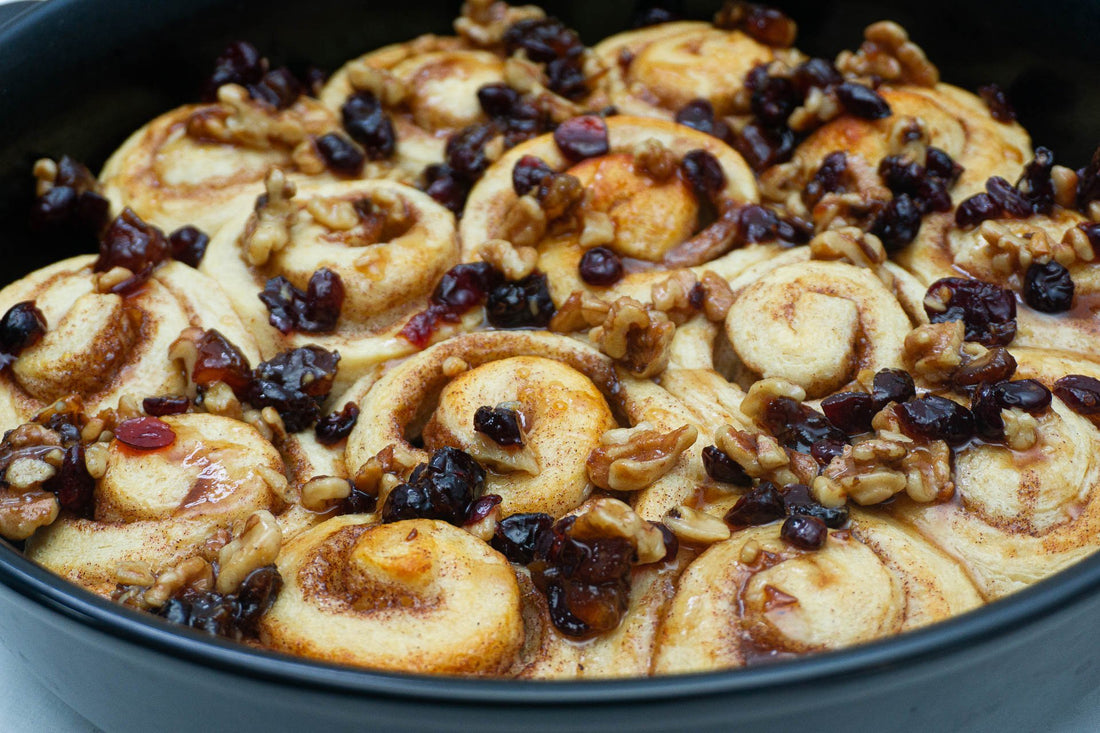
830 177
161 406
939 164
443 488
481 508
862 101
1048 287
1092 231
773 100
799 501
703 171
500 424
987 311
976 209
73 174
698 114
850 411
1028 395
145 433
544 39
524 303
516 535
672 543
22 326
937 418
798 426
1007 198
768 25
763 147
654 16
335 426
997 101
600 266
446 188
295 383
314 80
218 360
71 209
368 125
900 174
1035 182
466 285
794 230
1080 393
898 223
240 63
757 224
761 505
804 532
824 451
256 594
315 311
131 243
565 77
988 422
340 154
358 502
932 195
188 245
207 611
73 485
582 137
465 151
1088 182
721 467
529 173
497 100
816 72
278 88
892 385
995 365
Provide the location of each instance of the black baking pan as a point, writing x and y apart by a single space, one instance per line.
76 77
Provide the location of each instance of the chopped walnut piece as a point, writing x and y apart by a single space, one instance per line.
387 88
820 106
483 22
336 214
933 351
514 262
268 229
25 473
240 120
524 223
135 572
194 572
717 296
695 527
321 492
631 459
454 365
106 282
761 456
218 399
256 546
45 174
1021 429
597 228
1064 181
653 159
1013 253
486 526
606 517
672 296
23 513
636 337
579 311
887 53
1078 240
763 391
850 244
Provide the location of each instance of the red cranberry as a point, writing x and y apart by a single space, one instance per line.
257 594
768 25
565 77
369 125
1007 198
219 360
465 286
500 424
358 502
524 303
335 426
1036 184
721 467
529 173
601 267
976 209
71 210
497 100
582 137
898 223
161 406
206 611
145 433
988 422
798 426
987 311
1080 393
799 501
481 508
340 154
315 311
761 505
698 114
997 101
892 385
240 63
937 418
850 411
22 326
939 164
1048 287
516 535
295 383
188 245
703 171
862 101
763 147
131 243
824 451
794 230
804 532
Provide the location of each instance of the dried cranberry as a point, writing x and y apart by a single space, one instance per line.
295 383
73 174
815 72
1007 198
131 243
672 543
465 286
757 224
794 230
465 151
654 16
1080 393
850 411
997 101
257 594
314 80
1092 231
446 188
768 25
335 426
721 467
22 326
524 303
565 77
161 406
358 502
188 245
995 365
516 535
703 171
761 505
900 174
497 100
71 209
892 385
763 147
544 39
315 311
601 267
698 114
443 489
988 422
862 101
804 532
798 426
529 173
939 164
1035 182
799 501
1088 182
987 311
481 508
898 223
582 137
976 209
830 177
1048 287
368 125
937 418
145 433
824 451
773 99
501 425
340 154
278 88
218 360
240 63
73 485
1028 395
207 611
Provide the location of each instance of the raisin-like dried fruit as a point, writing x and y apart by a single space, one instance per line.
524 303
367 123
145 433
721 467
1080 393
987 311
862 101
600 266
516 535
1048 287
937 418
335 426
501 425
582 137
804 532
761 505
850 411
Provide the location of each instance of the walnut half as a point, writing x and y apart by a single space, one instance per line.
630 459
